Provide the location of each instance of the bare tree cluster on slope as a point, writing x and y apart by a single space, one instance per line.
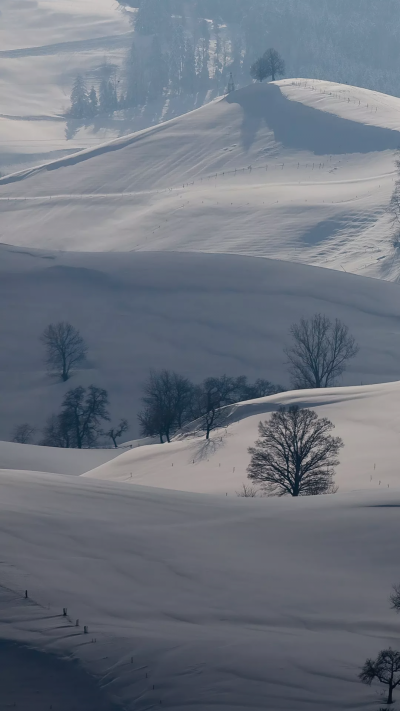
171 401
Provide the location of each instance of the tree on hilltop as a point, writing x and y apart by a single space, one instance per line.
275 63
295 454
270 64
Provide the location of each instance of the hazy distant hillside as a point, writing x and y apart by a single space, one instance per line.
353 41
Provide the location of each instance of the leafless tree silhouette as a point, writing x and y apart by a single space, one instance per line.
320 351
385 668
295 454
65 348
23 434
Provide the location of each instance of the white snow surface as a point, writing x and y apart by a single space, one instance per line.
28 457
197 601
297 170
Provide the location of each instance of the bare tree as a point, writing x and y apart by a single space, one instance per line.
23 434
167 402
320 351
260 70
261 388
385 668
116 432
65 348
58 432
209 406
295 454
275 63
395 598
270 64
248 492
79 423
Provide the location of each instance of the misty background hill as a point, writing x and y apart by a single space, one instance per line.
353 42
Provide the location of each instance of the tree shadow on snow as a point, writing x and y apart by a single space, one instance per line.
205 449
304 128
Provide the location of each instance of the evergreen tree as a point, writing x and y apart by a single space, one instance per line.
104 97
189 76
136 83
217 55
203 53
157 70
79 99
93 102
177 59
153 18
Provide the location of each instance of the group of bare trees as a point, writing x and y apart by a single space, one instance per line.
79 423
171 401
296 453
386 667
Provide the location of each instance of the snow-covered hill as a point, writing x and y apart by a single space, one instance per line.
367 418
198 314
297 170
198 602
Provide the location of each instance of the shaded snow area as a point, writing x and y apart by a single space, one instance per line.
200 315
197 601
297 170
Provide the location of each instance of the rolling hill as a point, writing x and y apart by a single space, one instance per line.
298 170
198 314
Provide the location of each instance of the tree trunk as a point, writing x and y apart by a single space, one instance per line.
390 695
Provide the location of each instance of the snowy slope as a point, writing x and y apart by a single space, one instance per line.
367 418
44 45
200 602
286 171
200 315
27 457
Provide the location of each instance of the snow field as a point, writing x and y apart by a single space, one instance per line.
258 173
202 602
